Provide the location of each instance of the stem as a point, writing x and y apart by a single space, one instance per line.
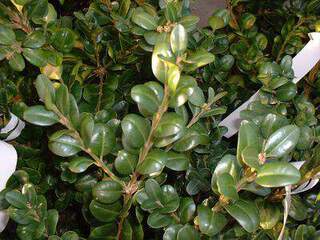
282 49
99 162
155 122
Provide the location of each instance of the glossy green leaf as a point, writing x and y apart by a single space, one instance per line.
107 191
177 161
105 212
160 68
178 39
125 163
63 40
158 220
35 39
38 115
135 130
250 156
153 163
216 22
189 22
63 99
102 140
227 186
199 59
144 20
270 215
187 209
210 223
245 213
277 174
16 199
188 232
80 164
170 124
52 221
271 123
35 56
282 141
171 232
62 144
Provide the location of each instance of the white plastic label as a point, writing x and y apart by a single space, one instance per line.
302 63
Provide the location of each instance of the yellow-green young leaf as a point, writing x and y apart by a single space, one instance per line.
40 116
277 174
178 40
210 222
270 214
7 35
80 164
160 67
105 212
63 145
173 76
247 21
144 20
246 214
189 22
227 186
282 141
107 191
125 162
16 62
216 22
185 89
198 59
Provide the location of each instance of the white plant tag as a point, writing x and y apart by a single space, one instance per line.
302 63
8 163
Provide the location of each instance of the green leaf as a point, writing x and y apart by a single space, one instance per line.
52 221
36 39
35 56
86 128
198 59
245 213
250 156
16 199
63 145
286 92
7 35
170 124
36 9
197 97
45 90
282 141
101 232
63 99
277 174
173 76
188 232
80 164
103 139
304 232
16 62
144 20
306 138
153 190
189 22
63 40
178 40
153 163
216 22
227 186
249 135
38 115
107 191
270 215
247 21
158 220
146 98
125 163
105 212
160 67
171 232
192 138
271 123
187 209
135 130
210 223
177 161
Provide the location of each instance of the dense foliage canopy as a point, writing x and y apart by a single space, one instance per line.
123 101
